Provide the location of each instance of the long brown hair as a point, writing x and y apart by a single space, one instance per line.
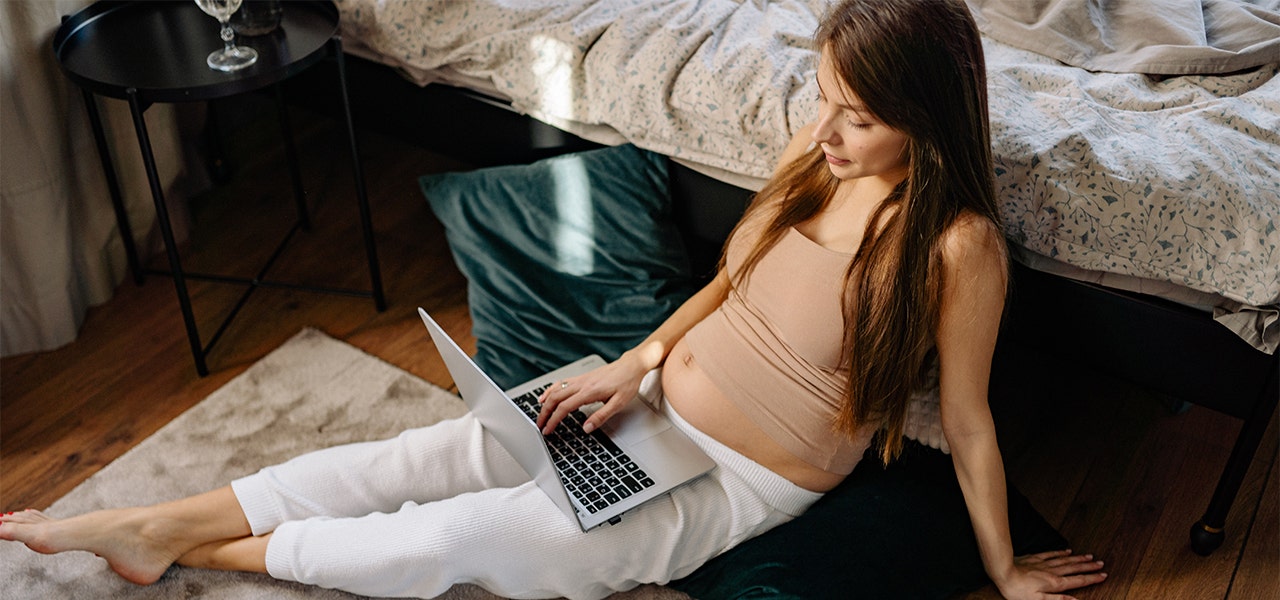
917 66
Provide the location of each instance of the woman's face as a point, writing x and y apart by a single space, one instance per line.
857 144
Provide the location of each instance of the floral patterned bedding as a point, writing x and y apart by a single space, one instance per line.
1175 180
1172 179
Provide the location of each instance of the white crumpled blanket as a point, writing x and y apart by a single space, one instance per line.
721 83
1173 179
1167 37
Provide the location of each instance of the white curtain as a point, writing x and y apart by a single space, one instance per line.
60 249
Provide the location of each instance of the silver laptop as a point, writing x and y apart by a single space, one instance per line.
594 478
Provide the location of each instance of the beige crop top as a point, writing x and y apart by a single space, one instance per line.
773 347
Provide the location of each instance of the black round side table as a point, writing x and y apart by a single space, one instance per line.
147 52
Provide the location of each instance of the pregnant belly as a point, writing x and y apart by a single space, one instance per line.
701 403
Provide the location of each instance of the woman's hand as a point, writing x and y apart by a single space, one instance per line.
614 384
1047 574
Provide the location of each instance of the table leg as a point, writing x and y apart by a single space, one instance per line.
366 222
291 155
113 187
166 231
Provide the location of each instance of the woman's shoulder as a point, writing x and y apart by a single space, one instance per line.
971 242
975 275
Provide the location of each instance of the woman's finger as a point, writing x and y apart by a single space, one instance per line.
1079 567
552 399
604 413
559 386
1040 557
1067 560
1075 582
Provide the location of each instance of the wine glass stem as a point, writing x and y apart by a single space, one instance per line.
228 36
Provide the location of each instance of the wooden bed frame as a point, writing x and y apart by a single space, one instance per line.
1159 345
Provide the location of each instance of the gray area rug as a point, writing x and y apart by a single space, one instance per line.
310 393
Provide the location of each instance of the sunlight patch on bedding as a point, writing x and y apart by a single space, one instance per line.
552 66
574 231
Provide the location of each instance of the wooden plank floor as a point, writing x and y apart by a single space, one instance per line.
1119 474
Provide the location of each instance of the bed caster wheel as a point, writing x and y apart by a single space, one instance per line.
1205 539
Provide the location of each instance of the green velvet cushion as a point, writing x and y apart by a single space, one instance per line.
565 257
577 255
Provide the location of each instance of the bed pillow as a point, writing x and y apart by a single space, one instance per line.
568 256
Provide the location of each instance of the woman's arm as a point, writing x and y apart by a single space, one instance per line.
975 277
616 383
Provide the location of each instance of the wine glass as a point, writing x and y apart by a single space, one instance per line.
231 57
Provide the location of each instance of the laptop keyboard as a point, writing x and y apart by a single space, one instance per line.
595 471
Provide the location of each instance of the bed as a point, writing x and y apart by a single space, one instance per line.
1138 168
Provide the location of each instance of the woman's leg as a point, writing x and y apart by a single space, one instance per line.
517 544
420 465
239 554
138 543
216 529
514 542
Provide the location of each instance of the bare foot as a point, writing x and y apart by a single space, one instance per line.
132 541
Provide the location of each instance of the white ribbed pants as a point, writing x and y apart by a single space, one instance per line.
414 515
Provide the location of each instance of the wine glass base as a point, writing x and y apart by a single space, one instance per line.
232 59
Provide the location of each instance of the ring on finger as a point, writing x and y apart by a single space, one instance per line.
564 384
